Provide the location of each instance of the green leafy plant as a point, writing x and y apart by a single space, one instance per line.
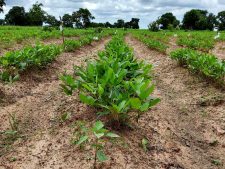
117 83
205 64
96 136
8 137
38 56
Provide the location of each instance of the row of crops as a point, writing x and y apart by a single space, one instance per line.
10 36
117 85
195 53
14 62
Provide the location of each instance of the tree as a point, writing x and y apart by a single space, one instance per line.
16 16
83 17
36 15
221 19
195 19
134 23
2 21
108 25
154 26
67 20
211 21
168 19
51 20
119 24
2 3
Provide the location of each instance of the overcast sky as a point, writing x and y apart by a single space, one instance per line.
112 10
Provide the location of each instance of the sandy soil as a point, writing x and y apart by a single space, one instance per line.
185 131
189 119
38 101
219 50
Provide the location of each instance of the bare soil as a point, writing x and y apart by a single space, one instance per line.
219 50
186 130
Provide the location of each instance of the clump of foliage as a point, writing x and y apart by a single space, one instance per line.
17 61
117 84
96 136
71 45
205 64
196 40
154 26
8 137
153 43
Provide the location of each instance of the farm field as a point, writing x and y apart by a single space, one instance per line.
57 100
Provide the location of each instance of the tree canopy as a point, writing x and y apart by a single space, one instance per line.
168 19
2 3
197 19
16 16
221 19
82 17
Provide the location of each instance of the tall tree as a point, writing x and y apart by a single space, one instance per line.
51 20
36 15
168 19
2 3
221 19
67 20
16 16
211 21
195 19
119 24
83 17
134 23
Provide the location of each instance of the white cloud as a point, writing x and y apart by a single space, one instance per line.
111 10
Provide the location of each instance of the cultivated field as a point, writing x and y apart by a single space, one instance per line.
111 99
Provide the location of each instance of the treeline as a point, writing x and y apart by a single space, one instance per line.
194 19
36 16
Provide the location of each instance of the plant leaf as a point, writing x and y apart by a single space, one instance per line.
101 156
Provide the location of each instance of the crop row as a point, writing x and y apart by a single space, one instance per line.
116 83
205 64
152 43
12 35
15 62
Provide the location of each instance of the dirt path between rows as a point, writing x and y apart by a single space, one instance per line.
189 123
38 102
219 50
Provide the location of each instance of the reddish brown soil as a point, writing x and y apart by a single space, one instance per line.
181 131
219 50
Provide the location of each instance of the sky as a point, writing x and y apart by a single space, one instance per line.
112 10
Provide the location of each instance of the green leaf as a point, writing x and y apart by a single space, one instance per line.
135 103
82 140
99 135
145 93
144 107
100 90
87 99
112 135
98 126
122 105
154 102
144 143
101 156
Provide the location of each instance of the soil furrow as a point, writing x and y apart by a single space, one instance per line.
186 130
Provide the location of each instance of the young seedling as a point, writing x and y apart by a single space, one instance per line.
96 136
